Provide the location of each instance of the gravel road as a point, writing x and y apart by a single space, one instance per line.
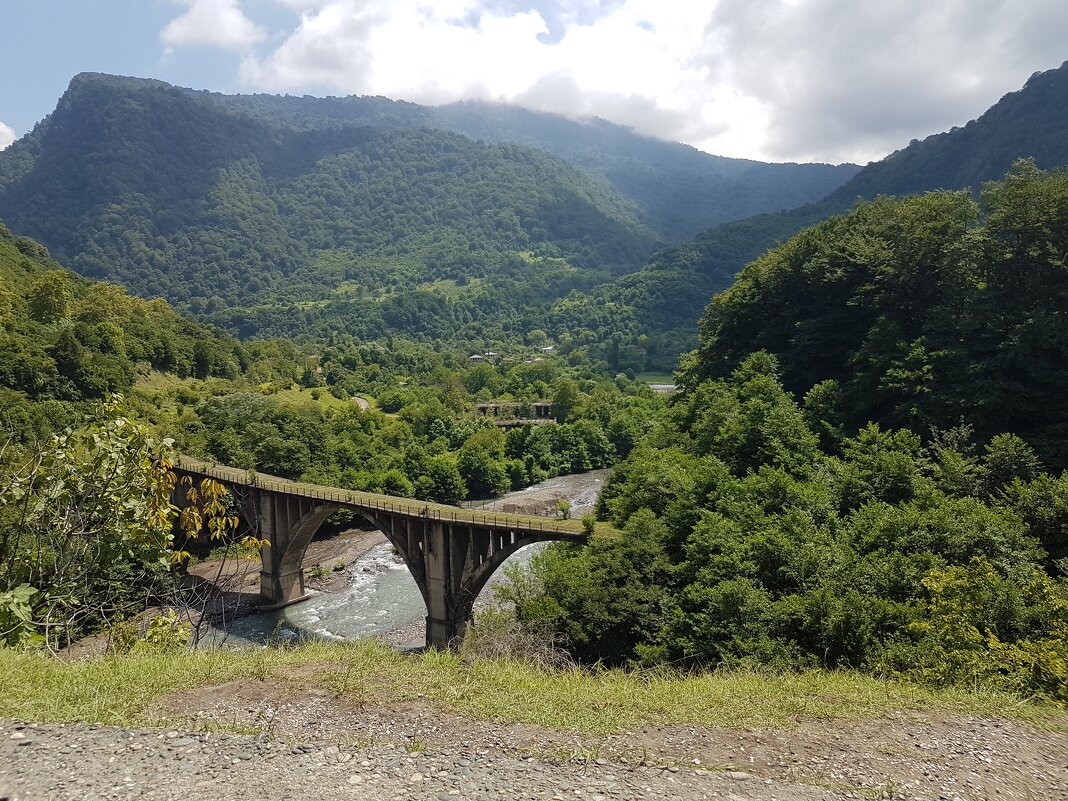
313 745
56 762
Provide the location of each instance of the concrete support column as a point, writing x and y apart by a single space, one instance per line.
281 581
439 626
270 591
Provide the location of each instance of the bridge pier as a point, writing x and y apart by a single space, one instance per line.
440 586
288 524
459 560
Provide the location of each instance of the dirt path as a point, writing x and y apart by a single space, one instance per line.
54 763
909 755
315 745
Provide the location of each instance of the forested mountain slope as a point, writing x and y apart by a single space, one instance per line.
65 340
178 195
281 214
917 312
667 295
681 190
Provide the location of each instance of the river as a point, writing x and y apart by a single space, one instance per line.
381 598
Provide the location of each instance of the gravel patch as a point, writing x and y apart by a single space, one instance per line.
906 755
57 762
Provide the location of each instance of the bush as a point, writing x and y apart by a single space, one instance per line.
981 629
496 633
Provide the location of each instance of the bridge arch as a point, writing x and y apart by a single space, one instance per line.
451 553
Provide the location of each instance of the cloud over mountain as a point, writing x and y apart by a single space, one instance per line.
212 23
7 136
779 79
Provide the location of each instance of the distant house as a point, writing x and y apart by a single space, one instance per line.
476 357
548 349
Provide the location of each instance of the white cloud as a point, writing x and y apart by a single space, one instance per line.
837 80
212 23
777 79
631 62
7 135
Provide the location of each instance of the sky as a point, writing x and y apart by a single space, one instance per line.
775 80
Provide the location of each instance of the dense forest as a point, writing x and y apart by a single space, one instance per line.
917 312
865 467
296 216
681 191
67 343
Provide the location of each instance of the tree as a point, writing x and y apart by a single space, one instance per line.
87 525
482 474
604 597
51 296
203 359
564 399
442 481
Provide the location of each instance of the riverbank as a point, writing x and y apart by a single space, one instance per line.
360 720
324 563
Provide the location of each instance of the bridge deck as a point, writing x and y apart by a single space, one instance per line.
563 529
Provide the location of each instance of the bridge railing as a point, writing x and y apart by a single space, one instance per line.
380 503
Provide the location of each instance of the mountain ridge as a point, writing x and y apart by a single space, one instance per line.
666 292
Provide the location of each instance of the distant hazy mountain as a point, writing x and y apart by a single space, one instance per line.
681 190
667 295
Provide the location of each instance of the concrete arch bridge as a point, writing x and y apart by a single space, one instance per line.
451 552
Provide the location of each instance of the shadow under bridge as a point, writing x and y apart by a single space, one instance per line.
451 552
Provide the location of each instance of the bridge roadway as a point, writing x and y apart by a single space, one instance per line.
451 552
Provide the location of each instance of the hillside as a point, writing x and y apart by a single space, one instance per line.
290 216
922 312
668 294
680 190
65 341
174 194
1027 124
